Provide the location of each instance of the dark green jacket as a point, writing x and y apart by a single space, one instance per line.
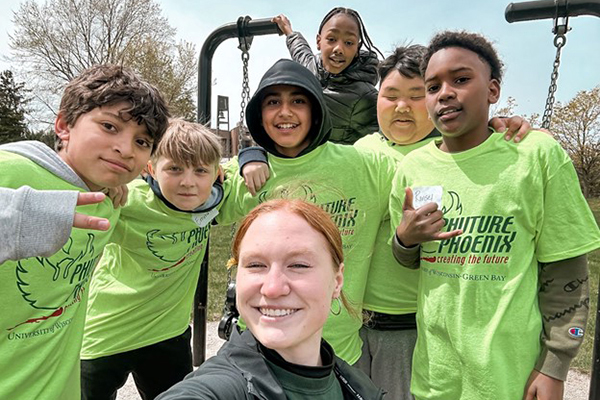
239 371
351 96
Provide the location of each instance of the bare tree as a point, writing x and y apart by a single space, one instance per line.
509 109
56 40
576 125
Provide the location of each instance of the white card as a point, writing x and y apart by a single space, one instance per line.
202 219
427 194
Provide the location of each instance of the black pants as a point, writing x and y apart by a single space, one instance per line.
155 368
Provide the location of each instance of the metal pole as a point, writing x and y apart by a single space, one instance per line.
549 9
248 28
255 27
199 314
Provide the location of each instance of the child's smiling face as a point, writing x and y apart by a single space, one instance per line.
286 118
459 90
105 146
338 42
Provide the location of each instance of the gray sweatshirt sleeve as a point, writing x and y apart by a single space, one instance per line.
34 222
406 256
301 52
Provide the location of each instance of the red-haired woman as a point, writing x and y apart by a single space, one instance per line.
289 278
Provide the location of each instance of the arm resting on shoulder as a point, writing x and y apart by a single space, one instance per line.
34 223
251 154
564 302
406 256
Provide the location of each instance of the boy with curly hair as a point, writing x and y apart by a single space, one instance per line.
511 232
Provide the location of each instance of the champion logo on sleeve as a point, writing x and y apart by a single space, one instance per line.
576 332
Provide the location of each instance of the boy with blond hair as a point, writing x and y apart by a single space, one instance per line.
143 289
108 124
494 318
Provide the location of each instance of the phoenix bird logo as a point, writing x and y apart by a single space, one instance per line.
166 247
47 284
302 192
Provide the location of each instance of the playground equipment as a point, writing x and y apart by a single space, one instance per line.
561 9
557 10
244 29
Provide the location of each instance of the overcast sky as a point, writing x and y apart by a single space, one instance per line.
525 47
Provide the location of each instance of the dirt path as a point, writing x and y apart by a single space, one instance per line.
576 388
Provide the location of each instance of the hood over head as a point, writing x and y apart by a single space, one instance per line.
288 72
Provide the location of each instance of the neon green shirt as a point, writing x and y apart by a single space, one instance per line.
479 322
352 185
391 288
44 299
143 289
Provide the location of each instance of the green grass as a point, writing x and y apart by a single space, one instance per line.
220 249
583 361
220 239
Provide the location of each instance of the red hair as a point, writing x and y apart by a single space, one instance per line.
315 216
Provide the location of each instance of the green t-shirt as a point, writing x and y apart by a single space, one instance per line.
391 288
44 299
352 185
479 322
143 288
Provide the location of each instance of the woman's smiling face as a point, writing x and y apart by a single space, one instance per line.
286 281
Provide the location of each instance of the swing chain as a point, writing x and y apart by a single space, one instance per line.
230 313
560 40
245 94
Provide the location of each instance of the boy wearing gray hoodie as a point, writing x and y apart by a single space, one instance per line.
108 124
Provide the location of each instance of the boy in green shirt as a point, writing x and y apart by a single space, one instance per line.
390 301
288 117
505 208
108 124
142 292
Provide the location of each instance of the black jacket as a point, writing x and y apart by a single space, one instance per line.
351 95
240 371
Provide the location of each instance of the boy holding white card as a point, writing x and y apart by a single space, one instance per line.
390 300
515 220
